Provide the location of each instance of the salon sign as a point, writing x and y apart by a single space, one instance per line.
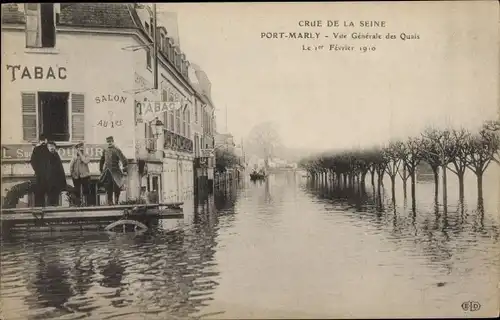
22 152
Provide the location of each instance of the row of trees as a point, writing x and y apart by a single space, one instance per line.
455 150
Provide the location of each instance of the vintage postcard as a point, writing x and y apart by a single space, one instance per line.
250 160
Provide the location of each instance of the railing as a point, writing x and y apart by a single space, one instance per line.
176 142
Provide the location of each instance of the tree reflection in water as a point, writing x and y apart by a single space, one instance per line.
438 233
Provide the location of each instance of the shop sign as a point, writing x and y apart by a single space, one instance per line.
22 152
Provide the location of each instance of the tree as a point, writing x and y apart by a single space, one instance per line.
484 147
443 150
264 140
224 159
461 141
430 155
411 155
392 158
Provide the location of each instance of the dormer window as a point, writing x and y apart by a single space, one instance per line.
40 25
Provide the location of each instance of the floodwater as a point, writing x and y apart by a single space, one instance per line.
284 248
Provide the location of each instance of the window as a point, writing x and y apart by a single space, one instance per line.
188 114
148 58
196 111
40 25
164 97
184 127
50 113
171 114
178 121
155 184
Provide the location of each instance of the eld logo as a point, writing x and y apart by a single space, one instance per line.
471 306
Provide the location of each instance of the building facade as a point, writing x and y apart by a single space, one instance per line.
76 72
204 164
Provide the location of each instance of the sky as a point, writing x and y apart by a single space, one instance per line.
332 99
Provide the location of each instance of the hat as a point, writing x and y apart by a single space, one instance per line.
79 144
110 138
41 137
52 143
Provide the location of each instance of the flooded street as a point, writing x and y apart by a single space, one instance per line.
286 247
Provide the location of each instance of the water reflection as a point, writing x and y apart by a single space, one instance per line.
50 286
440 230
161 274
248 243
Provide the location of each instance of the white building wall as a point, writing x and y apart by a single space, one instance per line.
95 65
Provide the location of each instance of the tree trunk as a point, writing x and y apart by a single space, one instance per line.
363 177
435 170
461 188
373 177
413 191
479 176
445 193
405 180
393 187
405 193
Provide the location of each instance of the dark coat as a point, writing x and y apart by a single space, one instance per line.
56 173
109 165
39 159
49 171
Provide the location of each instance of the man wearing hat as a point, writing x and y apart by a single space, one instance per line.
39 160
112 177
80 173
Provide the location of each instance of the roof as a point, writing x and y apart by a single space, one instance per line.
101 15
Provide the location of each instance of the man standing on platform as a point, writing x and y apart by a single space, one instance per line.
39 162
112 177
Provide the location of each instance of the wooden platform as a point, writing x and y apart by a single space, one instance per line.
79 216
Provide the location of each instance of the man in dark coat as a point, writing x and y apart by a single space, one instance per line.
112 177
39 159
56 174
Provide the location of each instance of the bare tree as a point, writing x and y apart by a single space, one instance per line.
484 147
461 141
392 161
411 155
493 127
430 155
264 140
443 150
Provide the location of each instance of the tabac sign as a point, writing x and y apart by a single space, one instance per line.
22 152
149 110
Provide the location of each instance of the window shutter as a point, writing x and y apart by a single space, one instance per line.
33 25
77 117
30 123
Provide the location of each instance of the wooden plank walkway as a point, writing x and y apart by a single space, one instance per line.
170 205
39 216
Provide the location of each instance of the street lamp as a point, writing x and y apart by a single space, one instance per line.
157 127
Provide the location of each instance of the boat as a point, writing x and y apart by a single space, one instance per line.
257 175
138 216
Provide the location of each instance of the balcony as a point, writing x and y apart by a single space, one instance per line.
176 142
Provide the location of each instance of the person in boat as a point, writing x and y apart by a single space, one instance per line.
80 173
56 182
112 177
